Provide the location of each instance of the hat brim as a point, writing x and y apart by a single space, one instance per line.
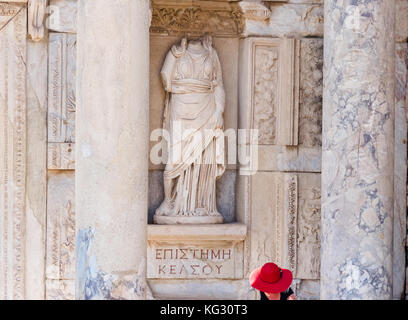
281 285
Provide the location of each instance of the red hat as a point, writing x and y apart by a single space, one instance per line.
270 278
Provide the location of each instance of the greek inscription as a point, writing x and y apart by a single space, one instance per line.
192 262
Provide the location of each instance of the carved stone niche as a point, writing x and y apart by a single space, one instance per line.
171 21
269 89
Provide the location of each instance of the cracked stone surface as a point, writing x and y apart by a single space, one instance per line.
358 151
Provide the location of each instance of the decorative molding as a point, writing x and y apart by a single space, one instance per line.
12 150
291 220
288 103
286 218
197 20
8 9
61 156
61 87
271 91
255 11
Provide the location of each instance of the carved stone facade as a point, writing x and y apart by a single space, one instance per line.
61 101
78 114
308 226
60 234
60 255
172 17
271 90
265 93
310 92
274 223
61 88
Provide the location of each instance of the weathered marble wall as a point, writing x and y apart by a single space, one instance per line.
400 171
401 111
289 162
60 244
300 161
60 234
290 143
400 163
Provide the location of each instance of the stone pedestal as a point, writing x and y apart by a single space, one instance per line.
358 150
112 148
188 220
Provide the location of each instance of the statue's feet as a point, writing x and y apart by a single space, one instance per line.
165 208
204 212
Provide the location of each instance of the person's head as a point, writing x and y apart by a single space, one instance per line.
272 296
271 280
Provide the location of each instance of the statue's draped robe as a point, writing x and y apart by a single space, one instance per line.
194 93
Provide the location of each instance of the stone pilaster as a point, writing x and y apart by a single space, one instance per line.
112 148
358 150
13 149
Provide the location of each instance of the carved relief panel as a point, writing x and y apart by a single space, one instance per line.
280 95
269 89
285 226
311 90
61 101
197 18
60 254
13 109
61 84
308 226
273 221
60 243
61 156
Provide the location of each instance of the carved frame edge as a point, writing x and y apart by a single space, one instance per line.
288 87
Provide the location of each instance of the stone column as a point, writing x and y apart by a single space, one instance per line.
112 148
358 150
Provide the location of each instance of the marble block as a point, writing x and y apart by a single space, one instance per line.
195 252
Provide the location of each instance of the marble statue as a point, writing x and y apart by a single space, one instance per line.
193 117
